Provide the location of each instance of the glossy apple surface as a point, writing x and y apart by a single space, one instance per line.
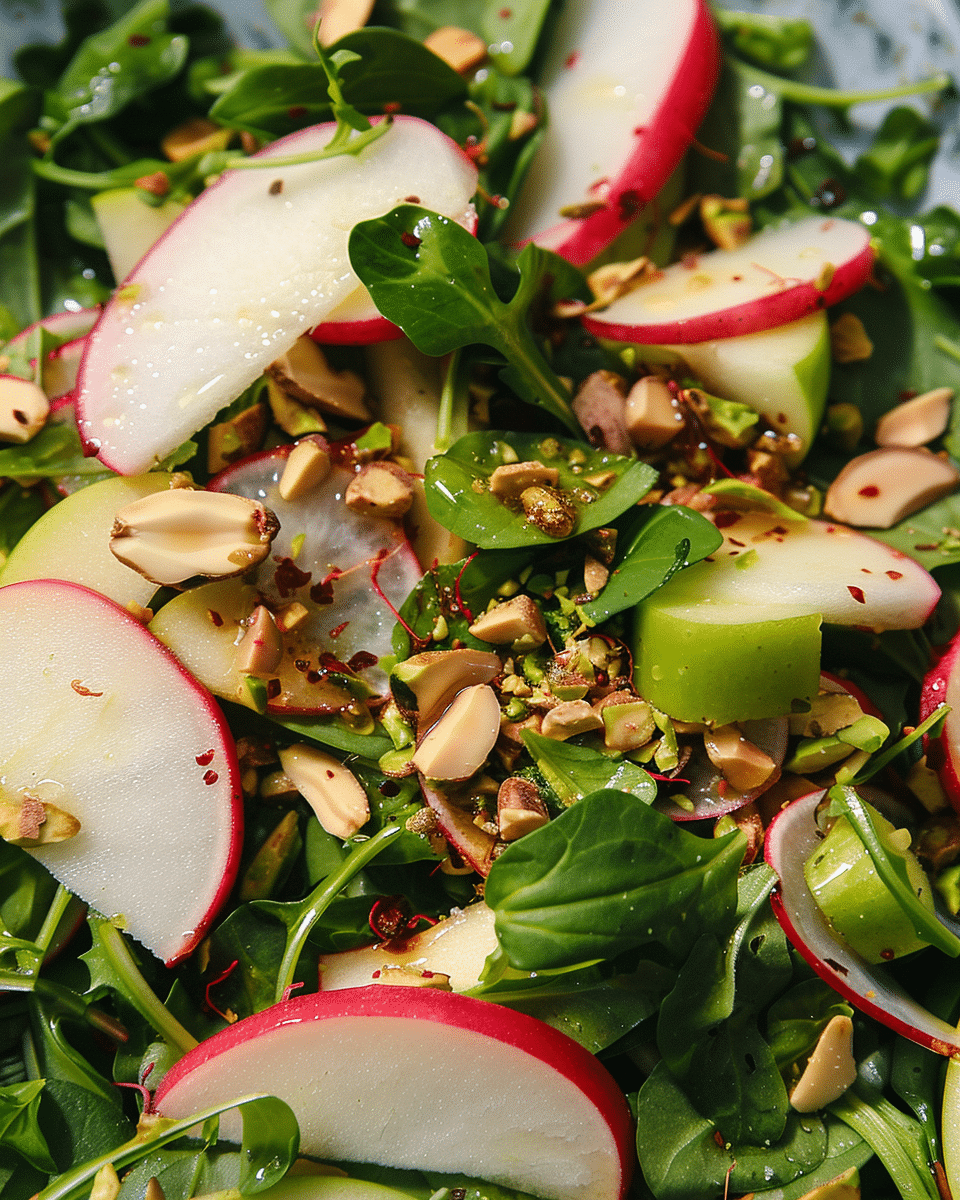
626 86
103 722
418 1078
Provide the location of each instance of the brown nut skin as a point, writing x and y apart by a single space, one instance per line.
550 510
380 489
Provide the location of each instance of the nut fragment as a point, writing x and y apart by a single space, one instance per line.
304 373
196 135
570 718
830 1069
426 683
175 535
743 765
23 409
518 620
331 790
652 415
459 48
519 809
340 17
261 647
307 466
915 422
880 488
600 407
595 575
458 744
27 821
550 510
848 339
511 480
400 975
291 617
380 489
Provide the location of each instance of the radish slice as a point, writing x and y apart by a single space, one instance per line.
375 1073
793 835
778 276
355 322
66 325
99 706
942 686
350 617
626 87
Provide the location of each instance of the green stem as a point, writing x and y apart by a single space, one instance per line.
91 181
891 1136
319 900
452 413
50 922
946 346
334 149
527 360
139 992
807 93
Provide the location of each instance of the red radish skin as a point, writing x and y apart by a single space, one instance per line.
791 838
362 332
942 686
166 875
532 1109
657 145
794 297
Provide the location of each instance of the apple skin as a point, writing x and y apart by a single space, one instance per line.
444 1082
106 722
657 132
941 685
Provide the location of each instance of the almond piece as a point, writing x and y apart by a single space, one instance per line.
330 788
458 744
23 409
400 975
261 647
307 466
304 373
880 488
519 809
197 135
830 1069
517 620
459 48
600 407
743 765
915 422
569 718
652 415
511 480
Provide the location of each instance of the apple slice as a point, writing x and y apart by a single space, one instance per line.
417 1078
355 322
780 275
942 686
626 87
258 259
130 225
105 724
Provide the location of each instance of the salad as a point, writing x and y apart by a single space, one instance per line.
483 719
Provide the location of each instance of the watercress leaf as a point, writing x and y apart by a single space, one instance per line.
19 265
458 494
19 1128
295 19
846 1151
431 277
271 1139
649 555
576 771
80 1124
608 875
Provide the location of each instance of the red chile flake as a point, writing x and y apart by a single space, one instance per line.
857 594
718 1138
725 519
288 577
296 112
138 39
273 689
361 660
869 492
210 777
322 593
410 239
505 14
630 204
392 106
205 759
335 633
894 574
215 618
572 59
81 690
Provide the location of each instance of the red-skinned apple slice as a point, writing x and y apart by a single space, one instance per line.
793 835
104 723
780 275
423 1079
355 322
942 686
257 260
626 87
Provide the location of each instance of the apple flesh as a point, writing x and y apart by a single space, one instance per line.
105 724
779 275
374 1073
626 87
257 260
130 226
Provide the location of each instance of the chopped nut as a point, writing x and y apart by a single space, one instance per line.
291 617
380 489
727 222
106 1183
340 17
925 784
829 712
652 414
915 422
175 535
197 135
27 821
261 647
293 416
401 975
570 718
880 488
277 786
830 1070
848 339
600 407
458 744
304 374
519 809
157 183
510 481
595 575
331 790
628 722
521 123
743 765
426 683
518 620
23 409
240 435
307 466
610 282
550 510
459 48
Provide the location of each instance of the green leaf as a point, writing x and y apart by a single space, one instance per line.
458 495
608 875
780 43
898 1141
431 277
19 1129
797 1018
55 451
576 771
898 160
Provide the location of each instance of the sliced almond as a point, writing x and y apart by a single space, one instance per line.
27 821
307 466
380 489
831 1068
457 746
570 718
519 808
106 1183
880 488
915 422
517 620
197 135
23 409
743 765
459 48
304 373
330 788
511 480
340 17
261 647
175 535
652 414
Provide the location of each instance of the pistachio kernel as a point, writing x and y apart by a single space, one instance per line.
550 510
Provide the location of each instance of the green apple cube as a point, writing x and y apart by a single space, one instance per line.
725 662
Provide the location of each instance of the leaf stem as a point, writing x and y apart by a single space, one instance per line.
807 93
316 904
452 413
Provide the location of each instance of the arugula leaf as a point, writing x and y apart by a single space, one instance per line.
458 494
608 875
576 771
431 277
